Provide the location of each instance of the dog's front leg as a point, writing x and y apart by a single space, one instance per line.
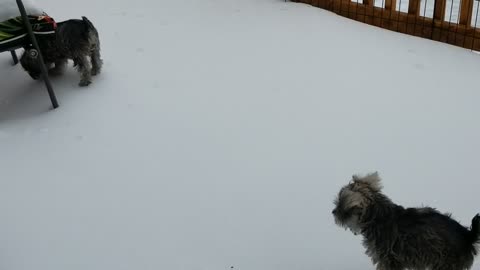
59 67
85 69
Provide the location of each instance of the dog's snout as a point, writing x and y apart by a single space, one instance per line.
334 211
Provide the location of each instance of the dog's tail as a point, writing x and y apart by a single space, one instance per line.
89 24
92 33
475 232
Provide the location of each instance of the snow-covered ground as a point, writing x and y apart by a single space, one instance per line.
219 134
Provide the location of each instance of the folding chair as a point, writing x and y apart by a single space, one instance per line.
23 43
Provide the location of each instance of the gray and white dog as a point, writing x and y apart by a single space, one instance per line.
74 39
398 238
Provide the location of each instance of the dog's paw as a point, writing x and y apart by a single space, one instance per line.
84 83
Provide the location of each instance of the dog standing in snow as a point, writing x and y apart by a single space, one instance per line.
76 40
398 238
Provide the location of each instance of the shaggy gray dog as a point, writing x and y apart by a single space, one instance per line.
398 238
74 39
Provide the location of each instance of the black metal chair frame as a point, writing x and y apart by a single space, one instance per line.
33 40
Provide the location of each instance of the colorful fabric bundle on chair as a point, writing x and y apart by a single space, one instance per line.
14 34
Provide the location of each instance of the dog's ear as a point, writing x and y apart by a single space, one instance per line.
373 180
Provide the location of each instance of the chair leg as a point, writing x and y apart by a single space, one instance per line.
48 83
14 56
43 68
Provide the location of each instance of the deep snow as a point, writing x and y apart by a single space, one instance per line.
219 134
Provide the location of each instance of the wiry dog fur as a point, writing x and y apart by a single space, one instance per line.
399 238
74 39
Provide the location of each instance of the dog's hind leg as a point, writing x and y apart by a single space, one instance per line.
83 66
97 61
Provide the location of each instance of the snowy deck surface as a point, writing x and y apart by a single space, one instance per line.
220 132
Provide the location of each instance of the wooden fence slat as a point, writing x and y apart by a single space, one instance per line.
466 9
414 7
439 9
369 3
390 5
325 4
